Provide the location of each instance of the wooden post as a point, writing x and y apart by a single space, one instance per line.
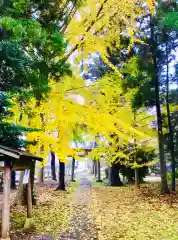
29 199
6 202
29 220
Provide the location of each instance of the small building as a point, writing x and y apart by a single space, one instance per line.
15 159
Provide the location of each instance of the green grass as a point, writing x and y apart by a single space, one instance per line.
99 184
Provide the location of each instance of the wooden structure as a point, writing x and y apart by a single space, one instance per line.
83 151
15 159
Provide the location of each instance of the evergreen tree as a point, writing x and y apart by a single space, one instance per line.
31 50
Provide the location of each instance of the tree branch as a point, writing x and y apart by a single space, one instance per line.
87 30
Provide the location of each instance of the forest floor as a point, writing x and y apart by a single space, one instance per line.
59 215
51 214
125 214
99 212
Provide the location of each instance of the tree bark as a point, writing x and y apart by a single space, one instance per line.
61 176
24 199
41 172
41 175
99 171
73 170
164 185
13 178
19 199
171 139
137 178
136 170
53 167
95 168
114 179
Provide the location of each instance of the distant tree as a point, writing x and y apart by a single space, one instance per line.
53 168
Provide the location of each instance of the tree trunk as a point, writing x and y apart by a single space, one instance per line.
95 168
61 176
114 179
137 178
171 139
136 170
53 167
13 178
73 170
41 171
164 185
41 175
130 179
99 171
19 199
25 188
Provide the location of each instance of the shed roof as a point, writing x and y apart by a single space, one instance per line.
17 153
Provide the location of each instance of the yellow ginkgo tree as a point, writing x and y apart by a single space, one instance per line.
102 109
99 23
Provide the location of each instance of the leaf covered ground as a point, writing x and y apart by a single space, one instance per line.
51 215
101 212
125 214
82 224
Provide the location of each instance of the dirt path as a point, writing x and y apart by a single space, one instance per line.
82 225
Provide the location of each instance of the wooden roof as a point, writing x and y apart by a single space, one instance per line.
17 153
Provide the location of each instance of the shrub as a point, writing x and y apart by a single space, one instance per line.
169 175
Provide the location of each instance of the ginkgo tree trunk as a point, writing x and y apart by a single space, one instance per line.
53 167
61 185
114 177
19 195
